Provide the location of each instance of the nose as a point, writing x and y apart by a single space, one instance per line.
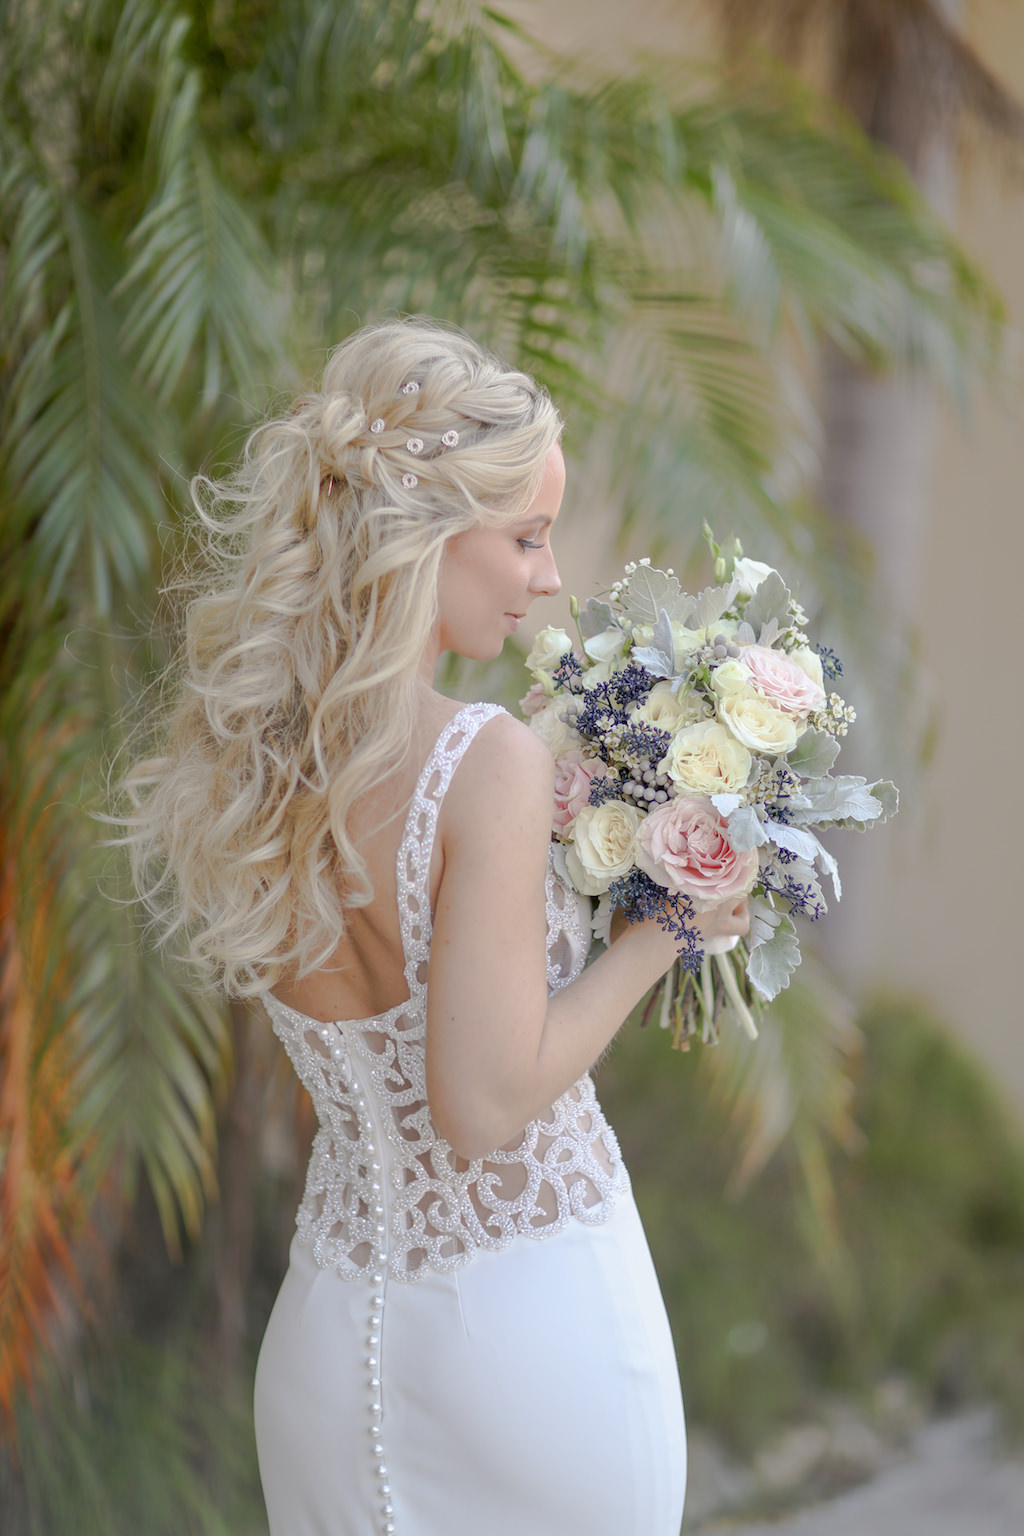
545 581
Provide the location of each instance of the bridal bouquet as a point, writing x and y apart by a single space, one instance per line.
693 740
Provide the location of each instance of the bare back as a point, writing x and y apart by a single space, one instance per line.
364 976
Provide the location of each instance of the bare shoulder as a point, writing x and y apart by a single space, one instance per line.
506 770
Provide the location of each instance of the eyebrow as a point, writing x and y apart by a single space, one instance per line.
534 522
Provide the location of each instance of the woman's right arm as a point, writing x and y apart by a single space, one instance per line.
499 1051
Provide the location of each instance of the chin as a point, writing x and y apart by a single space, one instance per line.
483 652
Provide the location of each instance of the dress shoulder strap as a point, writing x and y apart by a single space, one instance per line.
416 847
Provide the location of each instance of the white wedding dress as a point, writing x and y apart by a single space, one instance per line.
461 1348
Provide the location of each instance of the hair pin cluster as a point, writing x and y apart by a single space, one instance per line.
414 445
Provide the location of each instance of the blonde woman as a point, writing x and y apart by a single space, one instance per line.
470 1336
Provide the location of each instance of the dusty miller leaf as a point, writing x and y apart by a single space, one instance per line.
769 633
725 804
658 658
595 616
601 920
744 830
888 796
847 800
663 637
711 604
770 601
813 754
805 874
774 950
804 844
745 634
649 590
829 866
652 660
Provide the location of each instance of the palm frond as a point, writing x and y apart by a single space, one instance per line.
797 1082
201 296
76 465
135 1445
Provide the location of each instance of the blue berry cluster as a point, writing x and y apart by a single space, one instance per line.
639 897
803 899
776 790
830 663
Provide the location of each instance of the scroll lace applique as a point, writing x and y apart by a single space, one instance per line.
367 1079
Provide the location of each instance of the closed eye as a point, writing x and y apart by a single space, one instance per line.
528 544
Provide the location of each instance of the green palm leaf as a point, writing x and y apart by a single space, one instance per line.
76 462
201 296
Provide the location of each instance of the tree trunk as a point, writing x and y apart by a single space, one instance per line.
880 437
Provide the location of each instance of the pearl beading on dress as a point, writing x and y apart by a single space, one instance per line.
385 1196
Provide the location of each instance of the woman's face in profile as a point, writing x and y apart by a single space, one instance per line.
490 576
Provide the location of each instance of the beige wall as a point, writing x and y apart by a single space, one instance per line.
948 921
952 921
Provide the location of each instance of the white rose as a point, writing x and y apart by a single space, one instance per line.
731 677
706 759
552 729
810 662
548 649
758 723
750 574
606 646
667 709
603 845
600 672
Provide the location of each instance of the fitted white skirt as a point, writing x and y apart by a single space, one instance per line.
532 1393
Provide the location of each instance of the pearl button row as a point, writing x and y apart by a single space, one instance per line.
373 1341
372 1359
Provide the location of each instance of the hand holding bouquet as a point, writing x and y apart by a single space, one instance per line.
693 740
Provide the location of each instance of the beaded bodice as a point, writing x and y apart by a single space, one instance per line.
384 1188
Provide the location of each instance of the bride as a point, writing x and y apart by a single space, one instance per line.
470 1336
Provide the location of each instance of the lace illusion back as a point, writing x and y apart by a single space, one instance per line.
384 1190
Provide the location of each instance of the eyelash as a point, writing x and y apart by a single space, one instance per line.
527 544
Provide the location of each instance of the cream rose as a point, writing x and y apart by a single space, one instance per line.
668 710
759 723
552 729
600 672
603 846
683 846
707 759
779 678
730 677
548 649
810 662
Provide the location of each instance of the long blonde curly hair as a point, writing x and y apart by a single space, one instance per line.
293 694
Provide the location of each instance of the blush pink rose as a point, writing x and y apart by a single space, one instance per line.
683 846
777 677
572 789
533 700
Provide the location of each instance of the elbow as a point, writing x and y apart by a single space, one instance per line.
473 1135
